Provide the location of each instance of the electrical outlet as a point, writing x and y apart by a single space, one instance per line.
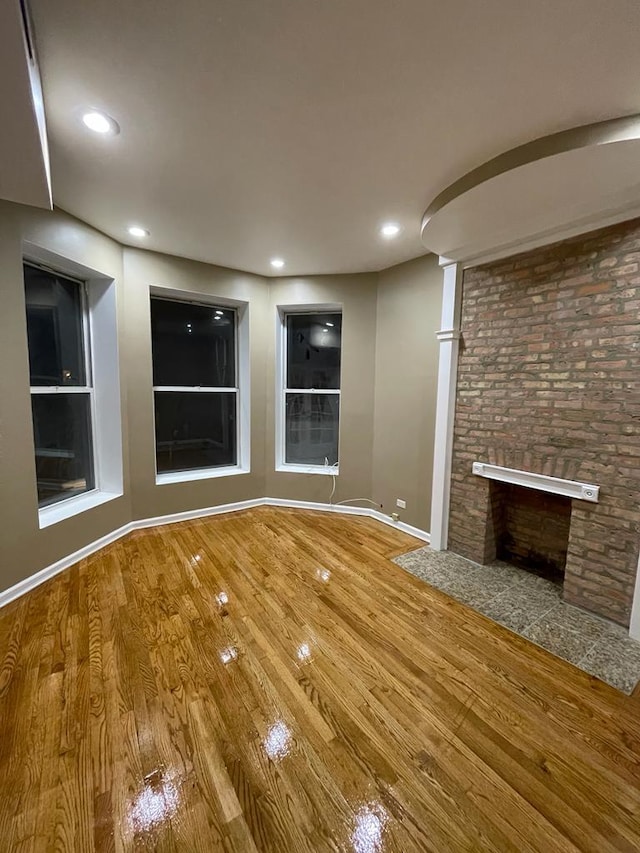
402 504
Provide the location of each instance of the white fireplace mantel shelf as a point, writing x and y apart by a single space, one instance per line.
567 488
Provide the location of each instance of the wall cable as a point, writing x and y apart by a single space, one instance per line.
333 490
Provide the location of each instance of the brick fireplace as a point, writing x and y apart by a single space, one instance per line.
531 529
549 383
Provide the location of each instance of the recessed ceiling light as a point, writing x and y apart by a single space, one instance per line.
389 230
277 263
137 231
101 123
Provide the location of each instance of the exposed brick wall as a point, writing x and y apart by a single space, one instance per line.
549 382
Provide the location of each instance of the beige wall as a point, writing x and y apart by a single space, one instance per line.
357 295
389 365
409 305
24 548
143 270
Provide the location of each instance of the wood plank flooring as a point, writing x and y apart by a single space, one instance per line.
270 681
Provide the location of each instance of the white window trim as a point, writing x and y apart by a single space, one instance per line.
281 390
242 389
199 474
74 506
101 342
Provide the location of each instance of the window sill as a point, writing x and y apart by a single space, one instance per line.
199 474
309 469
73 506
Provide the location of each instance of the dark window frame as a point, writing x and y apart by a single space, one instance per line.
170 475
86 390
287 392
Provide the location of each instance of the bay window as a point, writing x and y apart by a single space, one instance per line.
196 388
62 394
310 356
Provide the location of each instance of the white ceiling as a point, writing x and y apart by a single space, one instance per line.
540 203
254 128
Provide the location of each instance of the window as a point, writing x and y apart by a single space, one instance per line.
62 402
310 404
195 385
72 335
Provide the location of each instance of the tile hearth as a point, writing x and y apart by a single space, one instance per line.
532 607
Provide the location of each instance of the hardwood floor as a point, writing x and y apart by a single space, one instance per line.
269 680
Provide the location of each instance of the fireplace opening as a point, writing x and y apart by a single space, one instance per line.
531 529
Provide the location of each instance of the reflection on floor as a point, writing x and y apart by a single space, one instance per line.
268 681
532 607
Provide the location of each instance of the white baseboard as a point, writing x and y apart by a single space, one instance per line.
189 515
401 525
351 510
43 575
320 507
48 572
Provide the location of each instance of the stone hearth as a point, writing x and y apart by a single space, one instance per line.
532 607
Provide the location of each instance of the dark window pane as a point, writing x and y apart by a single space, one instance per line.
195 430
313 350
54 328
312 428
192 344
64 454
